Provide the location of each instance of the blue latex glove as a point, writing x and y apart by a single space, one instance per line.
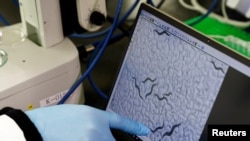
81 123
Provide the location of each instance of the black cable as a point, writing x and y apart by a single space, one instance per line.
160 4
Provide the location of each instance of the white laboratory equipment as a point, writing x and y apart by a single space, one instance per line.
40 64
242 6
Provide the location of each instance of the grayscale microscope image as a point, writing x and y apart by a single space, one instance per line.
167 84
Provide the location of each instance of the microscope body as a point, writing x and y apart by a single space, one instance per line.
42 62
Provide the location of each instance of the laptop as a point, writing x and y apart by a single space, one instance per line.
178 82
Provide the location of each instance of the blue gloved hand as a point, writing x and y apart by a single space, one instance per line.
81 123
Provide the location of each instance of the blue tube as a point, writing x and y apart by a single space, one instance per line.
104 44
91 81
16 3
210 10
150 2
3 20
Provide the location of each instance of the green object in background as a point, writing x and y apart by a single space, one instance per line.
235 38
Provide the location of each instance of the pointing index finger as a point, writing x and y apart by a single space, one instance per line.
127 125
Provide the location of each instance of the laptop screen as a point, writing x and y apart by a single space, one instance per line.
177 81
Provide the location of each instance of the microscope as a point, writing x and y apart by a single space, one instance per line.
38 62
